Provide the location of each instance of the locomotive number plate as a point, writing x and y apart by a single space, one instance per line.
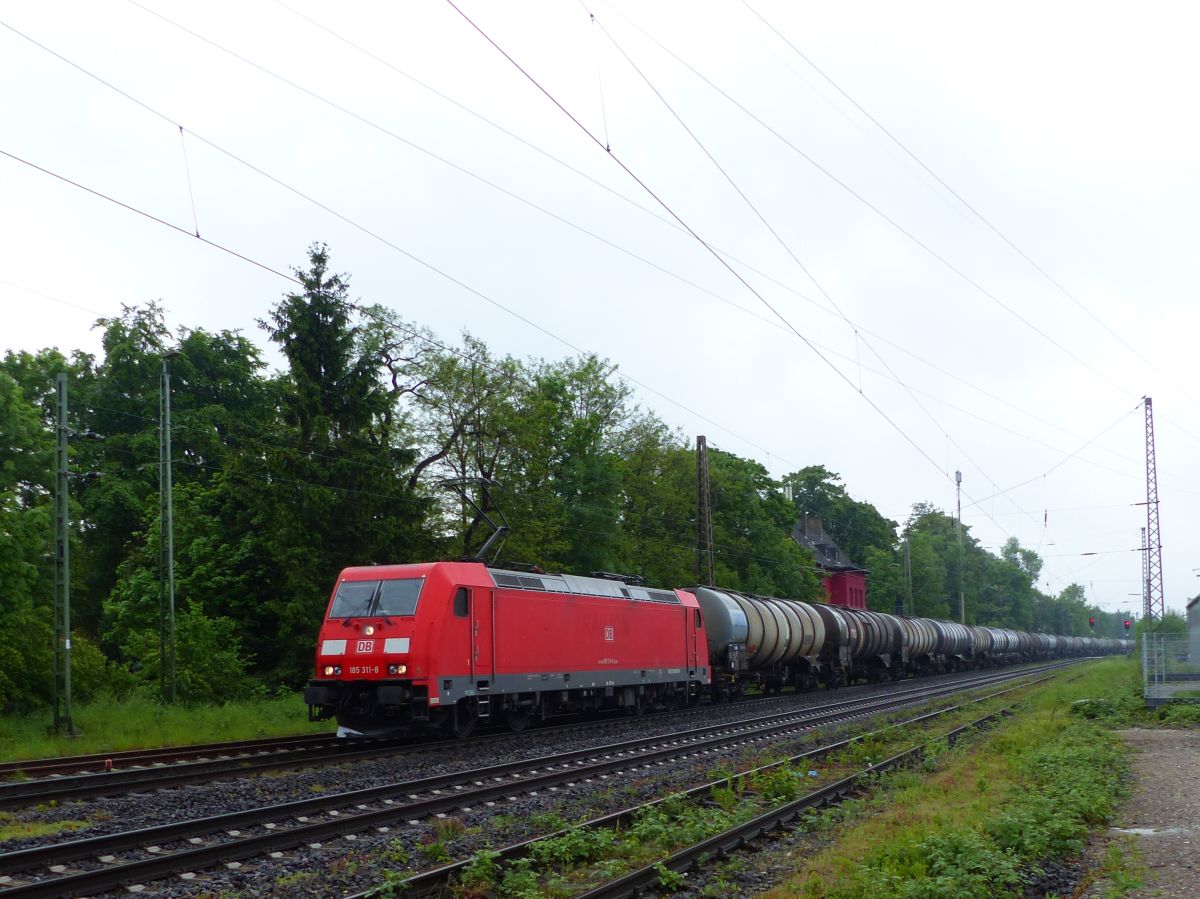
364 646
364 669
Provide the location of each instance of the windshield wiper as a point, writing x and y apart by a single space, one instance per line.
363 608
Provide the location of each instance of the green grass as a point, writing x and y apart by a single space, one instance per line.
138 723
982 820
12 828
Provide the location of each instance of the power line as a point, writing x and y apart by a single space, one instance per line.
1041 271
879 212
787 248
693 233
418 260
666 207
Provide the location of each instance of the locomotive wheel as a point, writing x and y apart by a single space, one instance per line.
517 720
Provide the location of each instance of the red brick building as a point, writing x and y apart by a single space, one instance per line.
845 583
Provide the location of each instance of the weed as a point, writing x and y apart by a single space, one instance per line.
725 798
481 872
576 846
397 854
448 828
138 722
520 881
1179 714
668 881
777 785
393 885
289 882
1122 869
547 822
435 852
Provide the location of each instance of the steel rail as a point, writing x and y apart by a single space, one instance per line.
100 761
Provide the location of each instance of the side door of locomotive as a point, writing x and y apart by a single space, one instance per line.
483 635
693 628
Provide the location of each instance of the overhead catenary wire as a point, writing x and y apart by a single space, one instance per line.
842 184
796 259
1054 282
368 232
904 434
670 211
359 48
288 277
414 258
183 231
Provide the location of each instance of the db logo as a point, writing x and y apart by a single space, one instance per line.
609 634
364 646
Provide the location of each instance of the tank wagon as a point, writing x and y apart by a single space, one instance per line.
443 645
772 643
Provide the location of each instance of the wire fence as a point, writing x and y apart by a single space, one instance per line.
1170 671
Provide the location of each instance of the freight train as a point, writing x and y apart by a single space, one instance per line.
442 646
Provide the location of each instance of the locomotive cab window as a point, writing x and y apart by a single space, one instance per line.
367 599
462 603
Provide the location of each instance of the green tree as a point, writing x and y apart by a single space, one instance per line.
329 484
26 579
752 527
886 590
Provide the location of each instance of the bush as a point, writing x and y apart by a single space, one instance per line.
209 663
26 658
93 675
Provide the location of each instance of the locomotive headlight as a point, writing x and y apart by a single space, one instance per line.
369 629
328 670
397 669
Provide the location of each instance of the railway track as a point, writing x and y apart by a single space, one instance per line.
95 864
649 876
114 761
142 770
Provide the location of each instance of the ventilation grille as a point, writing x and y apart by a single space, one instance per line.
580 586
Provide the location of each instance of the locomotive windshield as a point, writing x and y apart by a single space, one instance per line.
366 599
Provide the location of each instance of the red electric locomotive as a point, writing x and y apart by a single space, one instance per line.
444 645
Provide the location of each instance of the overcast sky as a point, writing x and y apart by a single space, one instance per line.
865 317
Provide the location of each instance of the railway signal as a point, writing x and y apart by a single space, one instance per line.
1128 624
1092 623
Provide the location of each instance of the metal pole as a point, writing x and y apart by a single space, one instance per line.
1155 603
62 570
962 608
1145 578
907 579
704 535
166 540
